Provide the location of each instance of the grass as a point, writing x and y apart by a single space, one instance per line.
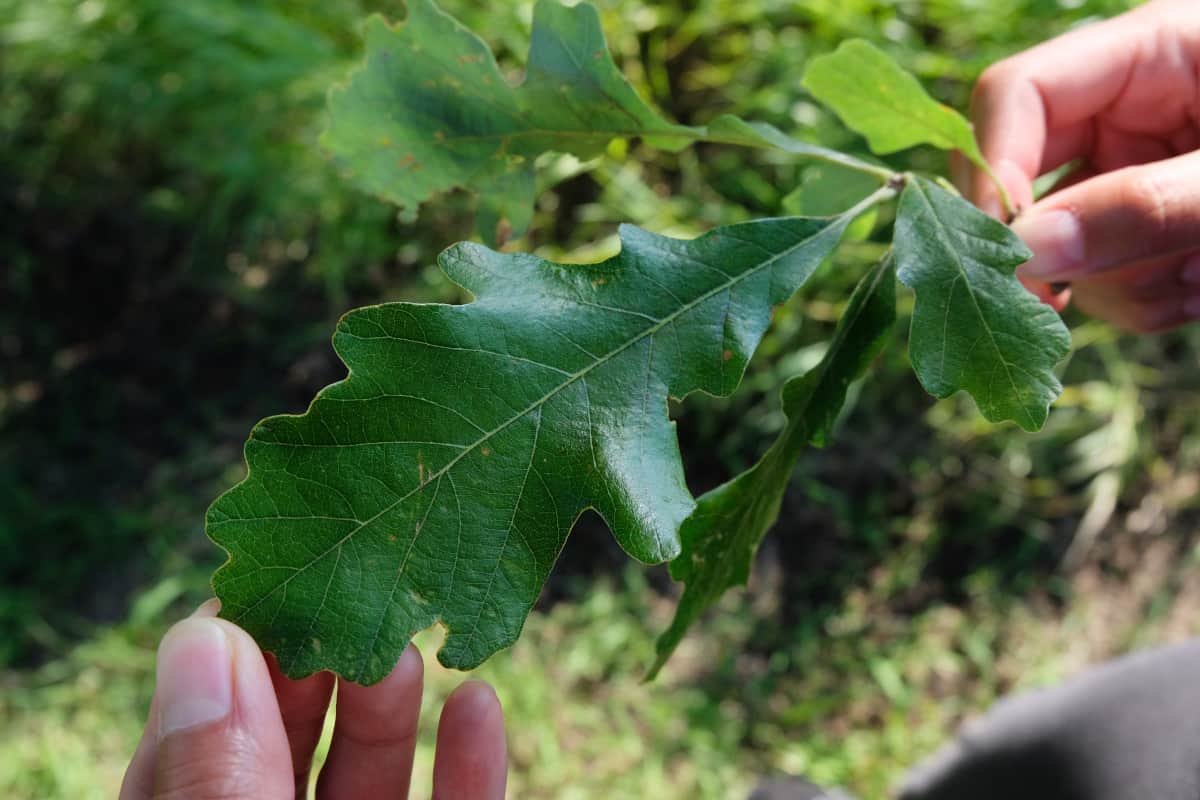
850 697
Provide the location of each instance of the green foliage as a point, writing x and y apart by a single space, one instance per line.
974 327
454 121
339 536
228 100
721 538
876 97
474 436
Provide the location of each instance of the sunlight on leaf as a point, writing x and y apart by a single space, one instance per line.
438 482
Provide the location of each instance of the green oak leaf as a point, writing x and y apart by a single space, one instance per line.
876 97
722 535
430 111
439 480
975 327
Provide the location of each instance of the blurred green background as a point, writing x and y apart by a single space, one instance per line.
174 250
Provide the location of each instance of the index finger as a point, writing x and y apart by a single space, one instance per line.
1033 112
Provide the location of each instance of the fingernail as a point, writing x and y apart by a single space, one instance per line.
990 204
194 675
1191 270
209 608
1013 178
1056 239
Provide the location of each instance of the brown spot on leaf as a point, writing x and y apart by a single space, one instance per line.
728 354
486 451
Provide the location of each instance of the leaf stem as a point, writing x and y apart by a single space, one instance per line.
884 193
815 152
1010 210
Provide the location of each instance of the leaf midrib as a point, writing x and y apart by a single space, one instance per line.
667 320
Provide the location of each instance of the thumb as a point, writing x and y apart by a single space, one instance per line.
218 729
1115 219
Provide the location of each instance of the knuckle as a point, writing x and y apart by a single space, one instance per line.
1151 202
202 773
991 82
205 786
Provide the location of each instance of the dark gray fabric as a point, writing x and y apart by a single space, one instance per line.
794 788
1127 730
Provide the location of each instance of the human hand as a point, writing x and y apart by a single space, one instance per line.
1124 97
225 723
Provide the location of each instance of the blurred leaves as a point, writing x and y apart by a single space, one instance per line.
430 111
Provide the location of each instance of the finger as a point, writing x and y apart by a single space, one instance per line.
374 735
1035 111
1114 220
139 776
1148 297
1144 281
1141 282
1052 294
303 705
1016 183
1137 316
216 727
1058 295
471 760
